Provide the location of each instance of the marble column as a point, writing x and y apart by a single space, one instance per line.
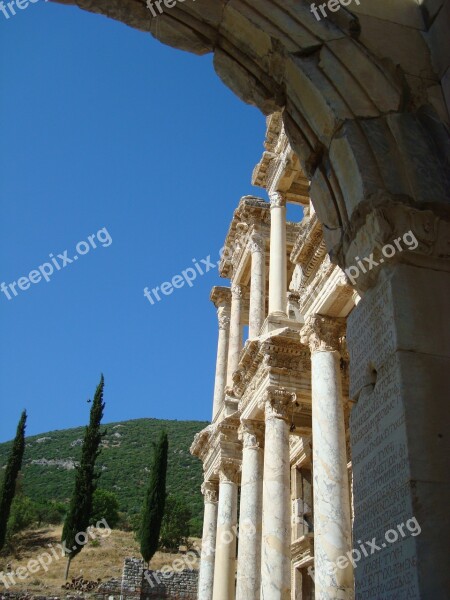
222 300
276 523
332 520
257 285
251 433
235 345
225 562
278 258
206 575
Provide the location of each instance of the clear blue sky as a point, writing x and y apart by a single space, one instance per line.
102 126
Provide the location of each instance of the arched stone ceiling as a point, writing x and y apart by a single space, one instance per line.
359 95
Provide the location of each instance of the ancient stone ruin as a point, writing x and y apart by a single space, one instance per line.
332 418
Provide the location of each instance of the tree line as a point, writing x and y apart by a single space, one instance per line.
163 522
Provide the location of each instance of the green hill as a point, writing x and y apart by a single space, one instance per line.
48 468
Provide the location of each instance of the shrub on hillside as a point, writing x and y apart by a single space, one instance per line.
105 505
175 525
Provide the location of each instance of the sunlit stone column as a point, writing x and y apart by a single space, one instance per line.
225 563
332 521
251 433
278 259
235 345
257 285
206 575
276 524
221 297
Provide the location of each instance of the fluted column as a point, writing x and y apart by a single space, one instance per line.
332 521
257 285
225 562
276 524
251 433
206 575
235 345
221 297
278 260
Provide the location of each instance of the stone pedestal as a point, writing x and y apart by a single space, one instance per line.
276 525
257 286
225 562
206 576
235 345
332 520
399 344
250 517
278 258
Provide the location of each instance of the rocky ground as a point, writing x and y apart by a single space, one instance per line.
101 559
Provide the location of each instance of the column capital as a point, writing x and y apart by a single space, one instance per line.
277 199
278 403
237 291
323 334
251 434
256 243
210 491
229 471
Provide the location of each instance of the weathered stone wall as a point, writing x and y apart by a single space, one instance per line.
141 584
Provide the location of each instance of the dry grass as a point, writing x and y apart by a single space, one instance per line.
104 561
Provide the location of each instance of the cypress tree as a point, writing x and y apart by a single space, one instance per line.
155 501
74 532
13 467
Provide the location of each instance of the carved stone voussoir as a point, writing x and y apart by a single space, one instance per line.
251 433
323 334
210 491
278 403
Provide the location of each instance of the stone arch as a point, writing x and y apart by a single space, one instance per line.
362 98
366 119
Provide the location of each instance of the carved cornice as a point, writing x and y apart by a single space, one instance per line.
278 403
200 445
309 247
323 334
220 296
277 354
210 491
251 213
251 433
